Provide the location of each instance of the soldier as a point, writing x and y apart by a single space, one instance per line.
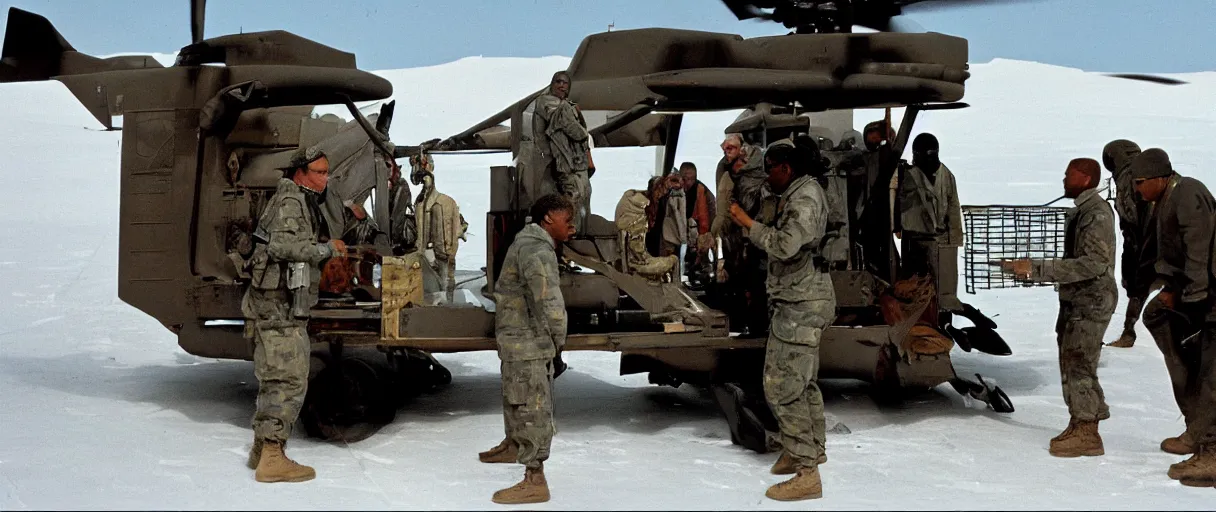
1088 295
930 220
1138 255
1181 316
530 327
561 144
440 228
276 309
403 234
700 209
741 181
803 303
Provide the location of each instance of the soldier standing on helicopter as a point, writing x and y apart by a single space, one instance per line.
741 181
1139 246
562 145
802 304
285 277
530 329
929 220
440 227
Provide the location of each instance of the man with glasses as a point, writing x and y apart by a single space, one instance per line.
285 276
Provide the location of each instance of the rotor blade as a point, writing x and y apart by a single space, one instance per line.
198 9
904 25
938 5
1148 78
746 10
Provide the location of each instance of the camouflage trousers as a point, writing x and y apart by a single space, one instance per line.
280 362
527 406
1079 333
1188 343
576 186
791 371
1135 305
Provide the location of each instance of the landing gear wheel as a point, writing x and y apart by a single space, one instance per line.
343 398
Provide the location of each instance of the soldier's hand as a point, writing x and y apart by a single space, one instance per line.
358 211
1167 299
339 247
739 216
1019 268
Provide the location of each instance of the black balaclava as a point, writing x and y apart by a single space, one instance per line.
924 154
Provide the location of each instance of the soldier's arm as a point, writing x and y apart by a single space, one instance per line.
722 209
287 240
1131 253
805 222
540 272
1095 252
1195 229
954 215
565 120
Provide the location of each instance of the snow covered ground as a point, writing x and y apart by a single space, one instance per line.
99 408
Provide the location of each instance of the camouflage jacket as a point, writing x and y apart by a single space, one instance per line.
930 208
746 188
793 245
291 229
1086 274
566 131
1139 244
440 224
530 321
1185 239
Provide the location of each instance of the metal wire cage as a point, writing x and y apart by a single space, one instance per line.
1006 232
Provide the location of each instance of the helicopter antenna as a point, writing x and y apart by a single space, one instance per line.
611 25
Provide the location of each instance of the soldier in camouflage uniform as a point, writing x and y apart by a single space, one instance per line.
1139 249
530 328
1088 295
559 143
1182 317
285 276
802 303
741 179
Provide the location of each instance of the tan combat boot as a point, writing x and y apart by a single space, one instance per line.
1083 441
785 464
804 486
1124 341
1197 471
505 453
274 466
1181 445
532 489
255 454
1072 425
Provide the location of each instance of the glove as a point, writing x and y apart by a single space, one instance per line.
559 366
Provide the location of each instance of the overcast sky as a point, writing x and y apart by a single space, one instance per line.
1095 35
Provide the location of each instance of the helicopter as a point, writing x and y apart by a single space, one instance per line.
203 140
634 87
